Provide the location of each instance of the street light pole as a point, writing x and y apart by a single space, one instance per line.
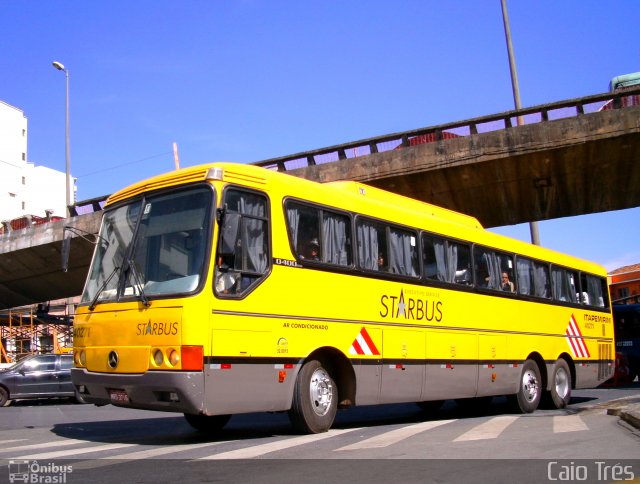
515 86
67 153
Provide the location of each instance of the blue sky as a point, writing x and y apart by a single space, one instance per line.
248 80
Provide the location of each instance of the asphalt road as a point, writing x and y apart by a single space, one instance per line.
368 444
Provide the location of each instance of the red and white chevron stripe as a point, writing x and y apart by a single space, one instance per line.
363 344
575 339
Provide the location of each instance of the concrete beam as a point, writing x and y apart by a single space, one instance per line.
540 171
30 262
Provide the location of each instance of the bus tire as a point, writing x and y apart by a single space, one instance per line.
560 393
315 399
529 389
207 423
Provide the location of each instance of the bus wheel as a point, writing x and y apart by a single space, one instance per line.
560 393
530 390
315 399
207 423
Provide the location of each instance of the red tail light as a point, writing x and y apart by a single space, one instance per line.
192 358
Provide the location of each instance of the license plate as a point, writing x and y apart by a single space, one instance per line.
118 396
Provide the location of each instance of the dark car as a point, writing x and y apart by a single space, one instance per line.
37 376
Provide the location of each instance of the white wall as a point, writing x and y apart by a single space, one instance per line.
25 189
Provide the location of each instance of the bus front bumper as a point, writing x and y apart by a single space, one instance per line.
166 391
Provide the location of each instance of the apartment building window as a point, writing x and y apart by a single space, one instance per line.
24 180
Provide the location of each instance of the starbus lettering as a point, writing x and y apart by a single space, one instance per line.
417 309
157 329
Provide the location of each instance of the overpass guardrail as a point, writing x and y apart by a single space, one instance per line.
535 114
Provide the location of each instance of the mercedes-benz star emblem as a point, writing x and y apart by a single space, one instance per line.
112 360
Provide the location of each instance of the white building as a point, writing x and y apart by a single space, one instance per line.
26 189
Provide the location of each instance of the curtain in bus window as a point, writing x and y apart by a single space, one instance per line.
571 281
402 257
594 291
453 274
433 258
335 239
367 246
525 275
460 257
255 233
495 272
441 259
563 285
490 273
255 242
541 280
293 217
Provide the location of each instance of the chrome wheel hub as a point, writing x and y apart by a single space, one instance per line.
321 392
530 385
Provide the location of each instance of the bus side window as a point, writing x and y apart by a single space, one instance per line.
525 271
459 256
541 280
243 249
403 253
532 278
446 261
494 270
319 235
593 291
372 246
565 284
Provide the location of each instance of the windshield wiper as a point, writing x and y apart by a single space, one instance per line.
136 277
94 301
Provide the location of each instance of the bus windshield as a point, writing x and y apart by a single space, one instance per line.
150 247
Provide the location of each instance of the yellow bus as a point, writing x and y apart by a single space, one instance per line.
227 288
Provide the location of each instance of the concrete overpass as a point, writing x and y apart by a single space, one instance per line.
568 158
549 161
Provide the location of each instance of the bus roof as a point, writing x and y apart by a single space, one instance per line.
360 198
625 80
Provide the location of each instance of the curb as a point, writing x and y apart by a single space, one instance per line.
629 413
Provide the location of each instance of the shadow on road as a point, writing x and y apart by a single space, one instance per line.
171 429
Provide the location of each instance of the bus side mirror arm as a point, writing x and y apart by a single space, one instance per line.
66 247
67 234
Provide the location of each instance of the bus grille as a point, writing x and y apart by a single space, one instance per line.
604 359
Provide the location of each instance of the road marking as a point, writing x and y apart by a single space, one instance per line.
45 445
394 436
258 450
71 453
488 430
142 454
2 442
568 423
